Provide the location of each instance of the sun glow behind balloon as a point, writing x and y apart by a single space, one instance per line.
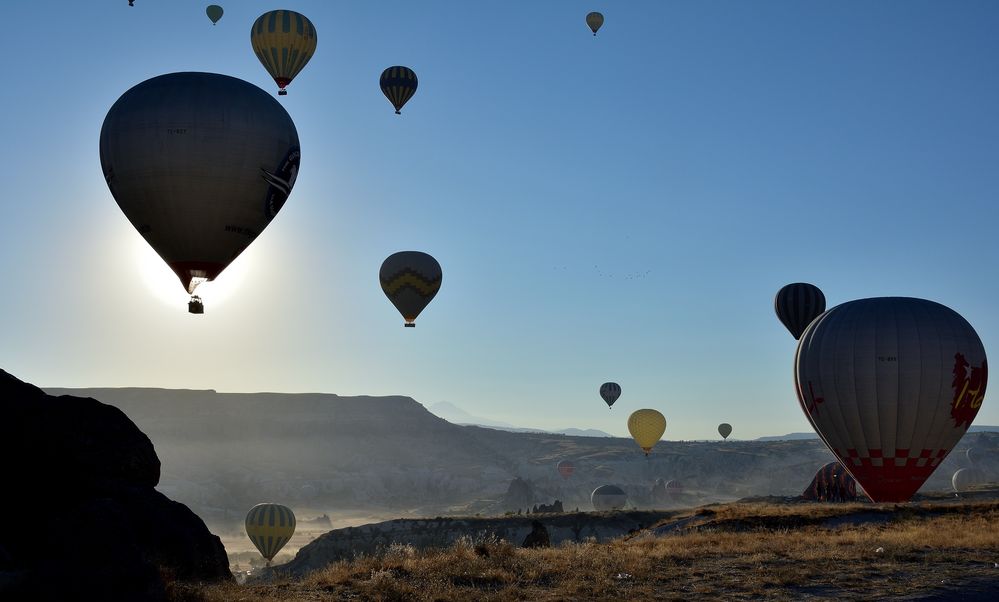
165 286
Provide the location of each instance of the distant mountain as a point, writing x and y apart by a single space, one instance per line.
799 436
455 415
983 429
788 437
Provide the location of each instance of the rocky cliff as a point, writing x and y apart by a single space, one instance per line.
83 520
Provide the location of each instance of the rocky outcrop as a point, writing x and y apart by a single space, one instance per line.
83 520
441 532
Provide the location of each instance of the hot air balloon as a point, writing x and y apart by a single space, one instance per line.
398 85
284 41
724 429
646 427
270 526
410 280
610 392
594 20
797 305
970 456
966 478
832 483
890 384
608 497
200 164
565 468
214 12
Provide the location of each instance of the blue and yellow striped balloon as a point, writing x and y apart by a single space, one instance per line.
398 85
284 41
270 526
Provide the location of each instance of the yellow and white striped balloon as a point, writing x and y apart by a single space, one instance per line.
269 527
284 41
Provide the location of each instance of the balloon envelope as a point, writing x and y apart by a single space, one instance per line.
398 84
283 41
200 164
966 478
410 279
214 12
594 20
831 483
724 429
610 392
269 527
646 427
565 468
797 305
890 384
608 497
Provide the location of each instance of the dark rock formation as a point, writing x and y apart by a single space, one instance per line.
555 507
82 518
520 494
538 537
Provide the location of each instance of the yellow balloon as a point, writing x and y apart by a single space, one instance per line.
284 41
270 526
647 427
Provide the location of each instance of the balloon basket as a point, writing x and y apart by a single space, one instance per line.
282 93
409 325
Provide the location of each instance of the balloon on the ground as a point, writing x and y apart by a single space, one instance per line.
398 84
283 41
646 427
594 20
797 305
891 385
200 164
831 483
966 478
608 497
724 429
410 279
565 468
269 527
214 12
610 392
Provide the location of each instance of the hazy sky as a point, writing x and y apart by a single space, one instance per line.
621 207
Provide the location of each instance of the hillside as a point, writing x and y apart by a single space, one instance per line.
224 452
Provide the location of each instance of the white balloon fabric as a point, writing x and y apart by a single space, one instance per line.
890 384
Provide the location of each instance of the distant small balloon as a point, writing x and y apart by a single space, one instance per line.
608 497
594 20
610 392
398 84
966 478
724 429
565 468
410 280
214 12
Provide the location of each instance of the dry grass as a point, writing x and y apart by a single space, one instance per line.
735 552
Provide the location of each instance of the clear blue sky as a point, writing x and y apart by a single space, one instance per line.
614 208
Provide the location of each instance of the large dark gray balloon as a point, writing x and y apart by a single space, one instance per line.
797 305
891 384
199 163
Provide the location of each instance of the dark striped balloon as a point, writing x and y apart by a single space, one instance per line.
398 85
610 392
797 305
269 527
832 483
